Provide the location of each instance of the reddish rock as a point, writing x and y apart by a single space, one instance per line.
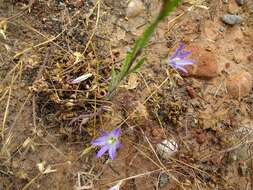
239 85
191 92
206 63
201 138
250 57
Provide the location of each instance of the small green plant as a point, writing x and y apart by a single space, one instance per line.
130 64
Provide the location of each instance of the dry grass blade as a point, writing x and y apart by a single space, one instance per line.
6 113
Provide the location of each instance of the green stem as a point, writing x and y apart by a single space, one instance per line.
167 8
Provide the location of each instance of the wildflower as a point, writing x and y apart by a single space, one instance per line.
178 61
117 186
109 141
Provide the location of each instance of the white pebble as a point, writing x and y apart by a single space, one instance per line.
167 148
135 7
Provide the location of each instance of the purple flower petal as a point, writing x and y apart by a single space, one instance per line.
112 151
184 62
117 144
116 132
178 61
105 133
102 151
180 48
108 142
173 56
117 186
184 54
101 141
182 69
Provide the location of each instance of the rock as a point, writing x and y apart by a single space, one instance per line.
240 2
250 57
231 19
222 29
206 64
135 7
167 148
239 85
163 180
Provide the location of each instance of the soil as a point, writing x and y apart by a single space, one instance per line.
47 123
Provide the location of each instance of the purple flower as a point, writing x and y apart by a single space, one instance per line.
117 186
178 61
109 141
114 188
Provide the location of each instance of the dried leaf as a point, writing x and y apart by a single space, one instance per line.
81 78
132 81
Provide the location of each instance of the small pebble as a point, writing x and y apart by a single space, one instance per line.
135 7
231 19
221 29
163 180
225 1
240 2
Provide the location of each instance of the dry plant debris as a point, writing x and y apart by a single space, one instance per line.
56 59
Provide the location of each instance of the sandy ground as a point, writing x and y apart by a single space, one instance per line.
207 112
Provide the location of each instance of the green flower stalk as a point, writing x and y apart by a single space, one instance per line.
130 65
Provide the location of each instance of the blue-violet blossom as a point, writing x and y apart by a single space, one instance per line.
109 141
117 186
178 61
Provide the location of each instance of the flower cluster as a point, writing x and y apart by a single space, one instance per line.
108 141
178 59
